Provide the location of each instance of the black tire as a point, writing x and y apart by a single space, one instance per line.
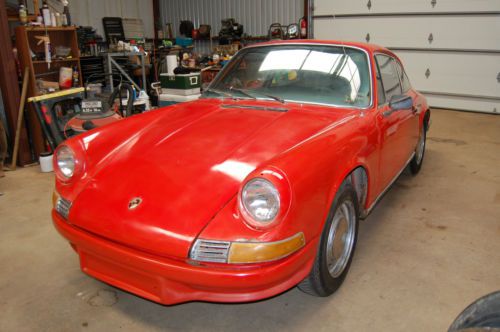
417 161
481 315
320 281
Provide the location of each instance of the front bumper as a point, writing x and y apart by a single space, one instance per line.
170 281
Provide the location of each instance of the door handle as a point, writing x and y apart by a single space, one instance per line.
387 113
415 110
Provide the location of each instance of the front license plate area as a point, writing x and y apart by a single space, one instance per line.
120 276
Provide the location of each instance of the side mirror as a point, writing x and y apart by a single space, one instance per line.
400 102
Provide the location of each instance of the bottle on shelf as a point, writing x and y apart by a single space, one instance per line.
46 14
53 19
23 15
76 77
66 13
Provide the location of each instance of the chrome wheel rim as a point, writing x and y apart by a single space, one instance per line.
420 147
341 238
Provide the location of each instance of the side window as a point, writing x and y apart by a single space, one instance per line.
390 76
380 87
404 79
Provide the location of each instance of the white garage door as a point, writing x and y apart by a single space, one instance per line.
450 48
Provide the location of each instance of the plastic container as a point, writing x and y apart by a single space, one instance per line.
183 41
182 92
46 162
65 77
168 99
182 81
62 51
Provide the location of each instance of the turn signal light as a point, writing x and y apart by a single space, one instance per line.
258 252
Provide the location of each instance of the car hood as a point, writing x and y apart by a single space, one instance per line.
184 166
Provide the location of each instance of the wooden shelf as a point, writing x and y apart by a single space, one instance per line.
42 28
16 18
27 43
57 60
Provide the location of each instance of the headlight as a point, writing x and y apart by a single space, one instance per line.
65 159
260 200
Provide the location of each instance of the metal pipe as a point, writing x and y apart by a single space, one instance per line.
123 72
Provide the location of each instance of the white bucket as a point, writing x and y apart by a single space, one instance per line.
46 162
172 63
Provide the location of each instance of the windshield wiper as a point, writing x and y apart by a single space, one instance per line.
242 91
219 92
245 93
281 100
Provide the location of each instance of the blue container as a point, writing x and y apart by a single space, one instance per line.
183 42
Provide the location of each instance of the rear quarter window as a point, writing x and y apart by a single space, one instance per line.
390 76
405 82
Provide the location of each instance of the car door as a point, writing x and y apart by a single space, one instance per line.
413 118
395 126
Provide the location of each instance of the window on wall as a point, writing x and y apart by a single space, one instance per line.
389 75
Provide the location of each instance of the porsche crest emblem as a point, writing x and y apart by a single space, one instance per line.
134 203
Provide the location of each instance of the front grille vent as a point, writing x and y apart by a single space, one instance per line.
63 206
210 251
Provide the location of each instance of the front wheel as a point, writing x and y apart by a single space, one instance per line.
418 159
337 245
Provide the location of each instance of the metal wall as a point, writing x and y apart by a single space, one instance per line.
91 12
255 15
450 48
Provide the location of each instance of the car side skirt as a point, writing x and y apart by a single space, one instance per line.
366 212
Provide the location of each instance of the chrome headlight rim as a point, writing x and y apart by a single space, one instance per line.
65 162
249 214
69 162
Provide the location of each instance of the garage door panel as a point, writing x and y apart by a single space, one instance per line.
451 49
331 7
464 104
447 32
468 74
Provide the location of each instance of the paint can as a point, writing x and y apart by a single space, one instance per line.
65 77
46 162
172 63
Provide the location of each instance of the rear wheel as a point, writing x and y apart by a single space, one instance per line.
337 245
418 159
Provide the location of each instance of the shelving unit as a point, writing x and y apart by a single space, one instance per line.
26 44
30 17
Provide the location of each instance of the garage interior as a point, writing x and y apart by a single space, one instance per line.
430 247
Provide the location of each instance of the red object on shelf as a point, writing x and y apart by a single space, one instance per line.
303 27
196 34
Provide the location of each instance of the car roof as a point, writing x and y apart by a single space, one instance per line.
365 46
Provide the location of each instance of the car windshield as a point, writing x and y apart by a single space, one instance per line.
332 75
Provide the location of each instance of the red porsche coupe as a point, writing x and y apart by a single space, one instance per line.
251 190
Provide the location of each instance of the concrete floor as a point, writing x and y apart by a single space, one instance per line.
430 248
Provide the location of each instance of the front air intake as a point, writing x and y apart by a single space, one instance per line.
210 251
63 206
